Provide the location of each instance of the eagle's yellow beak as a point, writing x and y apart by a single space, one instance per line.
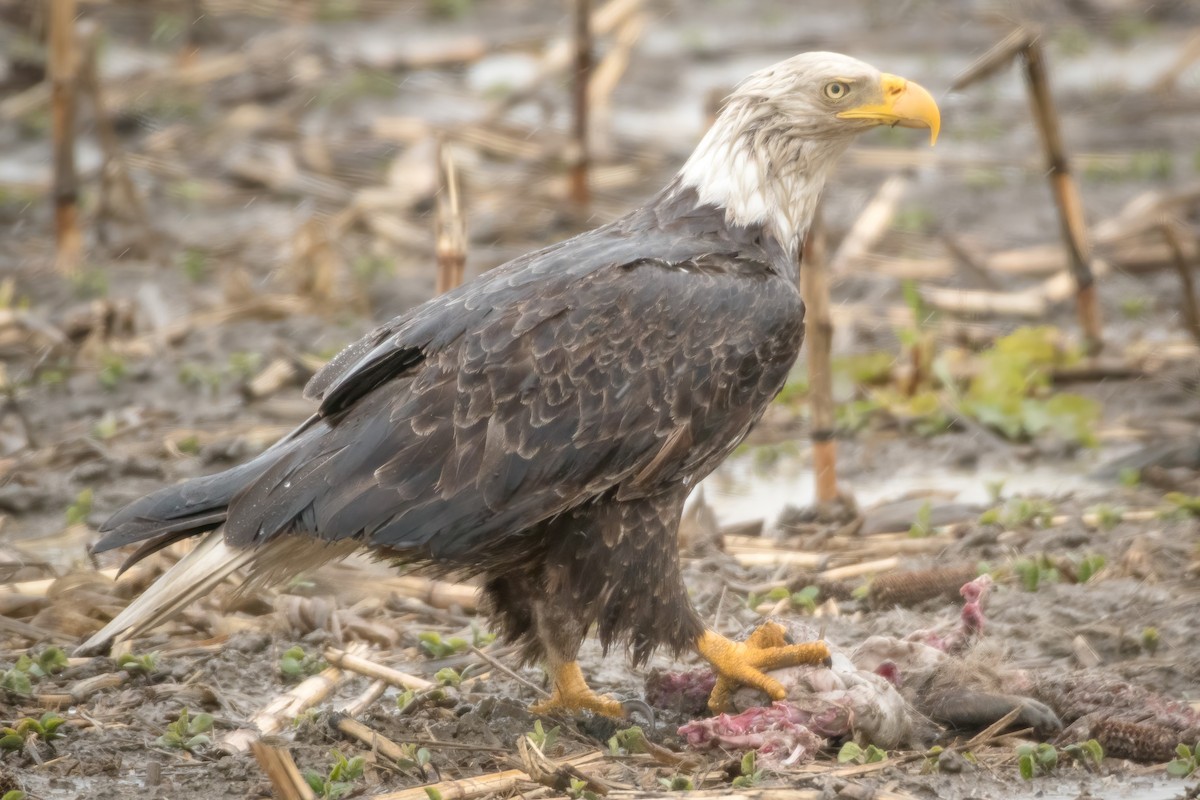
904 103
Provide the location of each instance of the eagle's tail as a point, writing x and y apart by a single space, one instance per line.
174 513
192 577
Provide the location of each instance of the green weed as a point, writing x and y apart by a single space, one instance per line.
1089 754
296 664
1186 761
853 753
544 740
187 733
750 774
339 780
437 647
78 511
1033 760
45 727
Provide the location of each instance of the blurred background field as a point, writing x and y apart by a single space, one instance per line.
256 183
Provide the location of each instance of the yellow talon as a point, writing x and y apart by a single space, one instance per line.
746 663
572 694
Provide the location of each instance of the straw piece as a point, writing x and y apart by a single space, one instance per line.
364 666
282 771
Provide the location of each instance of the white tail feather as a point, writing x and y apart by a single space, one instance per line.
193 576
202 570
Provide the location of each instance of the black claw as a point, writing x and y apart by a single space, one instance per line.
641 707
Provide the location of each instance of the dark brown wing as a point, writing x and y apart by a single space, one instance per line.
505 406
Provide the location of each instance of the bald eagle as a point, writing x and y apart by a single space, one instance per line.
540 426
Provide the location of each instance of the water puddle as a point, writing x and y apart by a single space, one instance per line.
742 490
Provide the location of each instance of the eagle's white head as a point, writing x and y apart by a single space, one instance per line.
766 157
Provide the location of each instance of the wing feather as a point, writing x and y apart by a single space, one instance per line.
549 395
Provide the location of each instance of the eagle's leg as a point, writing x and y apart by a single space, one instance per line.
572 694
560 635
746 663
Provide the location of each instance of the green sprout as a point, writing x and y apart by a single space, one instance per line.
1130 477
46 727
1033 572
296 664
138 663
187 733
750 773
481 638
1089 565
437 647
20 678
50 661
805 599
14 794
112 370
106 428
1089 754
1033 760
198 376
852 752
578 790
1183 505
677 783
1107 517
340 778
1135 306
1019 512
1186 761
242 365
16 681
195 264
77 512
628 741
1150 639
923 525
447 676
541 738
413 758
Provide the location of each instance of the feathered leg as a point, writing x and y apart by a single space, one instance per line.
560 635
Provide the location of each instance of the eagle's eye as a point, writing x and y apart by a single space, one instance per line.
837 90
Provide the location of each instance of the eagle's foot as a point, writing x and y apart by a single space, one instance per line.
746 663
572 694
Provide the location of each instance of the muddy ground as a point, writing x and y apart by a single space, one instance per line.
282 218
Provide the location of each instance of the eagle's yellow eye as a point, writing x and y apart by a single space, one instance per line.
837 90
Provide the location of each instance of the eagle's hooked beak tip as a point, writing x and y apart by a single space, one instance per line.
905 103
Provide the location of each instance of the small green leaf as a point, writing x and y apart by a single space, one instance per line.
314 781
447 676
1025 766
1047 756
1179 768
874 754
806 598
850 752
